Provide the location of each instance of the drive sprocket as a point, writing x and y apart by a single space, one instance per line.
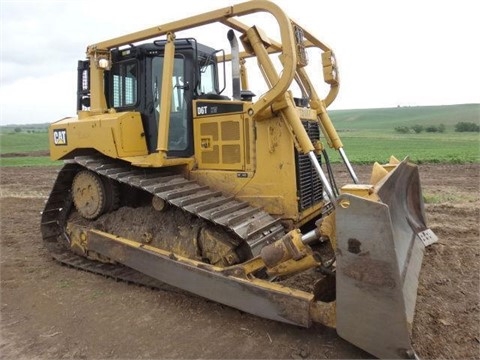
89 194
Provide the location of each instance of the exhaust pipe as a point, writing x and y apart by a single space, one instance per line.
235 65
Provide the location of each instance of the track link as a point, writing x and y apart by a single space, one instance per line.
252 225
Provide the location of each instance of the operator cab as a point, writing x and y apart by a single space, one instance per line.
134 83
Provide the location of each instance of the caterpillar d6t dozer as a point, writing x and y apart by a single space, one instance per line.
168 181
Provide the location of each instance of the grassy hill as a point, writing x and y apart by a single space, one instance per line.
24 128
389 118
368 135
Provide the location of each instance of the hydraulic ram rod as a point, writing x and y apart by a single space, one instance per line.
326 185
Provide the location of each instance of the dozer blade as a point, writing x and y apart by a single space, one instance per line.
260 298
380 246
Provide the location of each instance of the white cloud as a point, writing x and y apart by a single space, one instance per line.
390 52
38 99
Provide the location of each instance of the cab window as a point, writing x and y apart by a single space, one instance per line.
177 134
207 83
124 84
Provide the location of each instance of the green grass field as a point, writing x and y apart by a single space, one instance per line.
368 135
22 142
450 147
385 120
28 161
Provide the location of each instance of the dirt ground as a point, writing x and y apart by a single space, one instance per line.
49 311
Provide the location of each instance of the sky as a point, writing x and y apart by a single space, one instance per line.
390 53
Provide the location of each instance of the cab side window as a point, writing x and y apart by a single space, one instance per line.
124 85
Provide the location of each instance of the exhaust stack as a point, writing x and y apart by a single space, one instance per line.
235 65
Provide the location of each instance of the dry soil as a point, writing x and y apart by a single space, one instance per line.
49 311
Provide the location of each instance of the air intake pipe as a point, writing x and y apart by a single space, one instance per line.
235 65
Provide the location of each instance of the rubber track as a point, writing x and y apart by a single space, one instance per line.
252 225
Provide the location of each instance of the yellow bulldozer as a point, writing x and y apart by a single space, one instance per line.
167 180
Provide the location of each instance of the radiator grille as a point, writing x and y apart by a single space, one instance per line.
309 187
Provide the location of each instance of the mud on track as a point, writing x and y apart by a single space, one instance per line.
51 311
